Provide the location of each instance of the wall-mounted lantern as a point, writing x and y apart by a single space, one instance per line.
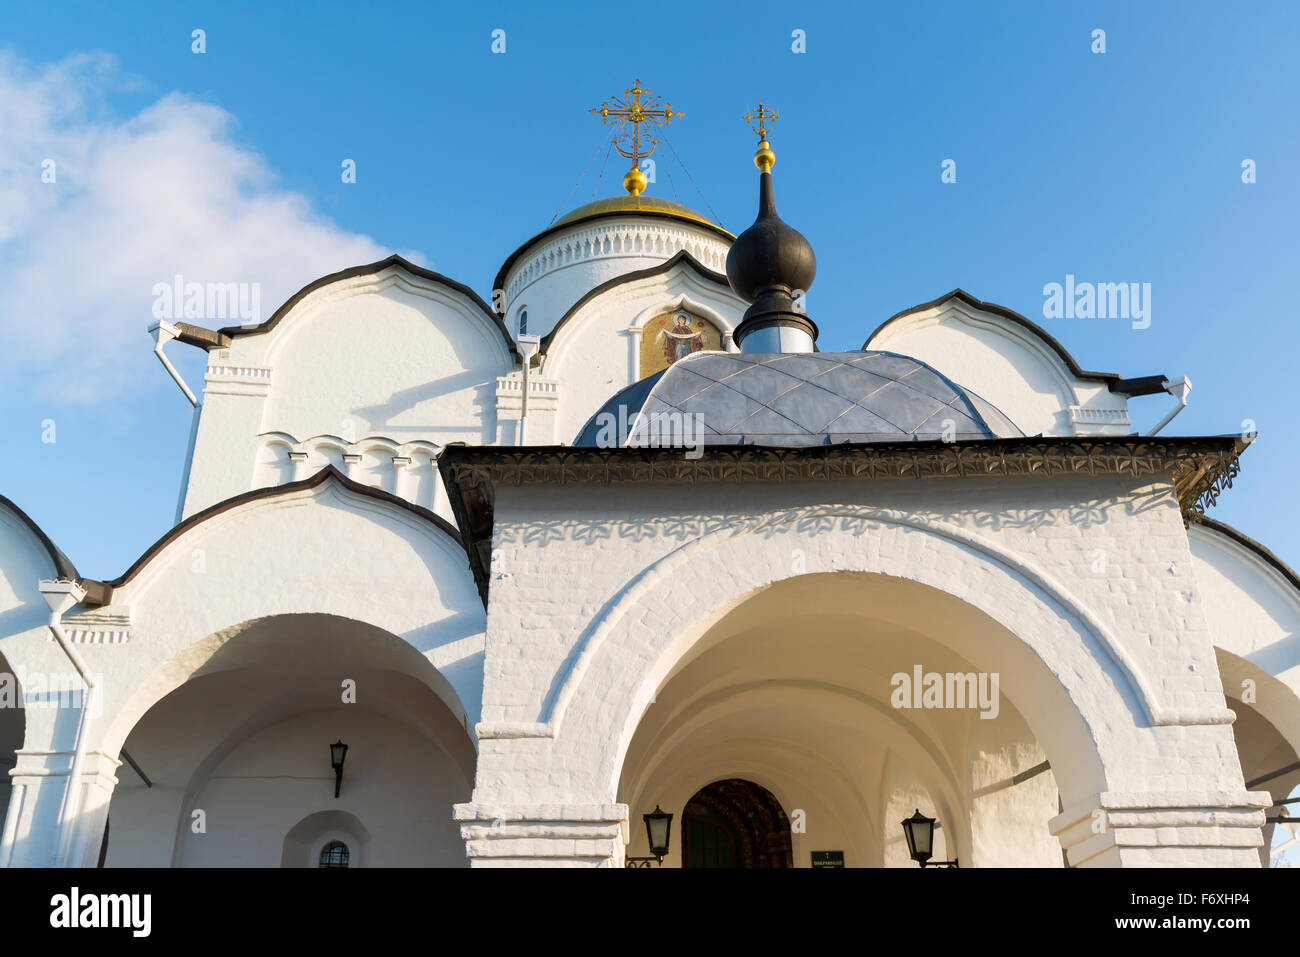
338 754
919 831
658 829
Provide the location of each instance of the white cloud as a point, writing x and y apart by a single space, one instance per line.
136 202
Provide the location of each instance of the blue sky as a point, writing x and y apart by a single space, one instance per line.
1122 166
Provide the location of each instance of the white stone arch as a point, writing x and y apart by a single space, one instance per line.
306 839
204 582
1083 676
902 736
396 684
272 465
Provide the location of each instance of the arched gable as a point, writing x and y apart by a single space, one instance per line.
594 349
322 546
1013 363
397 352
373 269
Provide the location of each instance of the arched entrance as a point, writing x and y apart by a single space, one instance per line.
790 703
238 756
735 823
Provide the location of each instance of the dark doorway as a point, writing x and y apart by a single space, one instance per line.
735 823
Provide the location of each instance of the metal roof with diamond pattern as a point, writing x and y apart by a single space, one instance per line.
798 399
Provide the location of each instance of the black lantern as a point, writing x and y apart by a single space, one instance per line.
658 827
338 754
919 831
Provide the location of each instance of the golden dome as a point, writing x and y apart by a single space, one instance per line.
613 206
636 204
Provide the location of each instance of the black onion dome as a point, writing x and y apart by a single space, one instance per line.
769 253
768 265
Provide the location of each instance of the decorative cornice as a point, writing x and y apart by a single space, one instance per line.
663 217
98 626
1201 468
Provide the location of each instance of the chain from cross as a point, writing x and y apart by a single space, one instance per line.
636 112
762 115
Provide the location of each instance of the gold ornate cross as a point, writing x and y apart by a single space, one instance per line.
630 108
762 115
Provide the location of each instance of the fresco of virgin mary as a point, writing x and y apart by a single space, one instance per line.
674 336
681 340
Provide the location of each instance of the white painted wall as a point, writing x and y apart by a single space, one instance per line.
395 783
384 365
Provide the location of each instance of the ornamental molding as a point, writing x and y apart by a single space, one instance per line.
615 239
98 626
1200 469
1082 416
369 443
234 379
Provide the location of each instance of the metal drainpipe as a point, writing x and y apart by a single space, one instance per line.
60 596
528 346
164 332
1178 388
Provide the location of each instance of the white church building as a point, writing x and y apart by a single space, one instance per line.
628 539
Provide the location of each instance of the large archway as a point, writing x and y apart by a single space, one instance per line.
796 690
236 759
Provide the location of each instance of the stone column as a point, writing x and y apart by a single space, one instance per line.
634 353
1152 829
401 477
32 835
543 835
299 459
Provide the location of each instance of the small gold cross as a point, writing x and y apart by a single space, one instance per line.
762 115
